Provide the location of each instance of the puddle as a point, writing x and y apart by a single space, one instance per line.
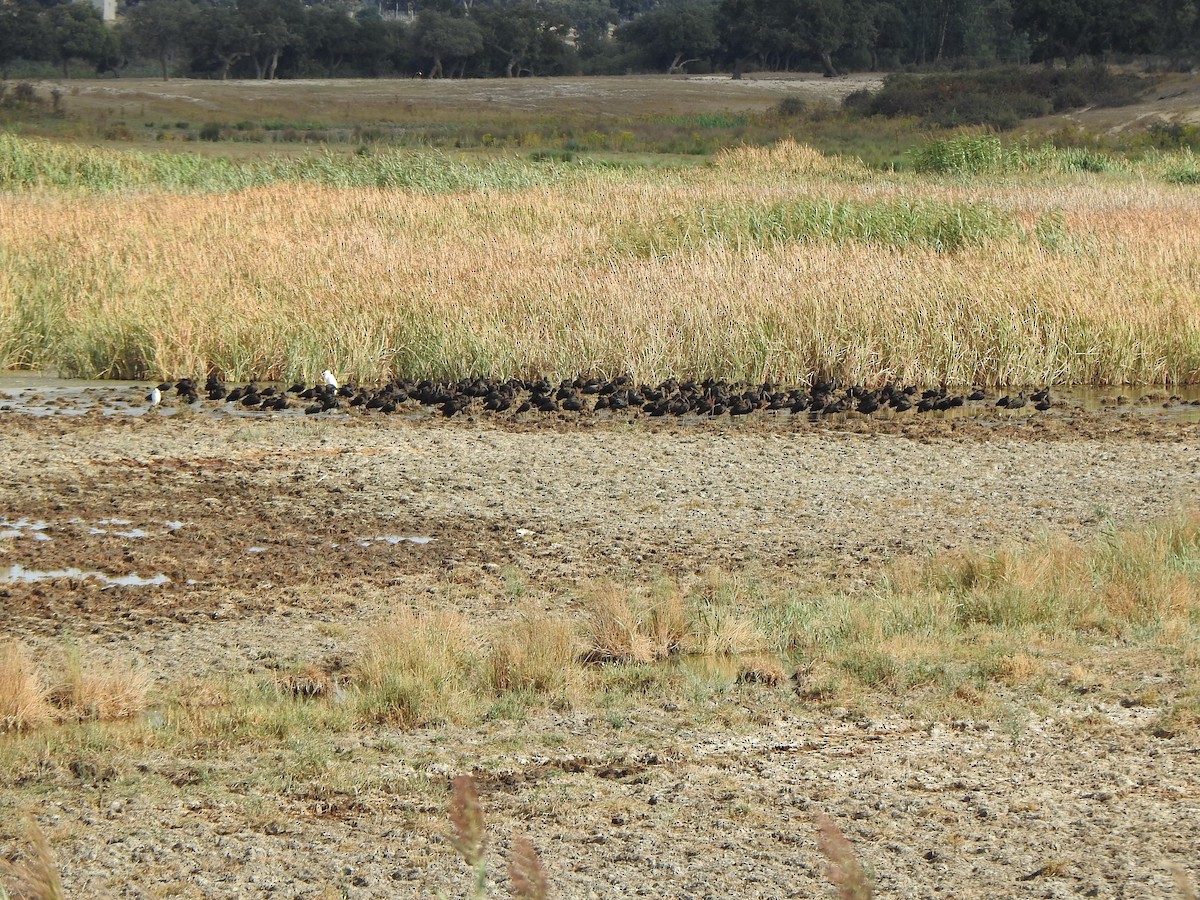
394 539
24 528
706 667
18 574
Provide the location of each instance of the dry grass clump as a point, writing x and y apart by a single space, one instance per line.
536 654
959 624
23 699
617 629
34 877
720 622
631 625
418 668
100 691
1135 577
787 157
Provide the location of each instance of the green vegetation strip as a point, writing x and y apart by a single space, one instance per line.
926 224
31 163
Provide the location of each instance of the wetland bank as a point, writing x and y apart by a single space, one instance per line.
661 645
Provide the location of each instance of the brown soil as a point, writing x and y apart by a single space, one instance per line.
277 556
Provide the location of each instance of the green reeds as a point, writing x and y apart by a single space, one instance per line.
899 224
32 163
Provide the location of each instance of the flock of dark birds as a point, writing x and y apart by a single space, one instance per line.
622 394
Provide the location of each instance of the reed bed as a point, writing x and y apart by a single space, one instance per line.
777 264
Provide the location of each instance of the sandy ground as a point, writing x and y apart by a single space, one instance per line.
281 538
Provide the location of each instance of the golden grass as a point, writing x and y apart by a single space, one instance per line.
537 655
616 629
629 624
100 691
23 703
1098 283
416 668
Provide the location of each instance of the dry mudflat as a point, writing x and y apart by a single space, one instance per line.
283 539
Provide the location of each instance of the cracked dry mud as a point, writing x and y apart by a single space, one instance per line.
280 542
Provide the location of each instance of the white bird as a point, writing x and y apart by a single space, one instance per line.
155 397
327 376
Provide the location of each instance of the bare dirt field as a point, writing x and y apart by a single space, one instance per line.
1174 97
365 100
284 539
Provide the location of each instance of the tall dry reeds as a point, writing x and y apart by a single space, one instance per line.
96 689
630 624
770 263
418 668
535 655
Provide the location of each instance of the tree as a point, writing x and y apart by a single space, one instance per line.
379 40
674 34
75 31
1062 28
275 26
741 24
444 36
589 22
330 36
22 34
525 37
1179 29
221 37
161 29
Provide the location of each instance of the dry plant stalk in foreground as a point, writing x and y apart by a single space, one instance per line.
528 879
845 871
33 878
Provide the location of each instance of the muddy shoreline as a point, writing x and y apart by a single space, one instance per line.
282 538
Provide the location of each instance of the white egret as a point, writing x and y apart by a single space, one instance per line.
328 378
155 397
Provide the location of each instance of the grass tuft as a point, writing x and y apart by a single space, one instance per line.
99 691
23 699
629 625
535 655
617 629
788 158
416 668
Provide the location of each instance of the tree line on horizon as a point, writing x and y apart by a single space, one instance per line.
491 38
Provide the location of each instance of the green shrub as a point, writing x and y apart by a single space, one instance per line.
997 98
789 107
